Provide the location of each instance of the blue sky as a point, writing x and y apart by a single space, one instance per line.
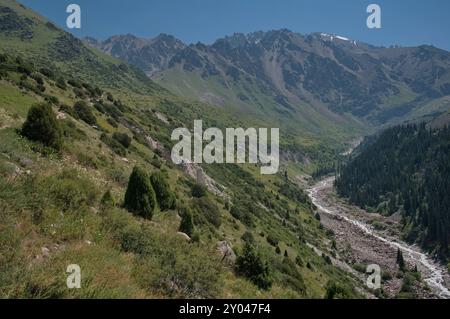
404 22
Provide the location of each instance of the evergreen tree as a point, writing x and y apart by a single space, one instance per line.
140 197
187 224
42 126
400 260
250 265
165 197
406 167
107 199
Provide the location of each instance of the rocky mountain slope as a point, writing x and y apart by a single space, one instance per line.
318 77
66 206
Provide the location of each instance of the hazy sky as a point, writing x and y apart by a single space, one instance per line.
404 22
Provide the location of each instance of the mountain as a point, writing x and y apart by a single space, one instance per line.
317 77
152 55
63 206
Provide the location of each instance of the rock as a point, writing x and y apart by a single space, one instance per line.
124 159
162 117
227 253
184 236
200 176
25 162
61 116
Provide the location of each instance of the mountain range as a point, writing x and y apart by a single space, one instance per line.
314 79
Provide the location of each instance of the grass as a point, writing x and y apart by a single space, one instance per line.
52 201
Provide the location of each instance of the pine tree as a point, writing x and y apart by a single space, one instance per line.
187 224
400 260
140 197
107 199
165 197
250 265
42 126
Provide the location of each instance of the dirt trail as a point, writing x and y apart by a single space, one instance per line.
360 242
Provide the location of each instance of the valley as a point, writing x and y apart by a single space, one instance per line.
88 134
368 238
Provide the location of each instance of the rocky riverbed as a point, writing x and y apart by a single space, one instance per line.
364 238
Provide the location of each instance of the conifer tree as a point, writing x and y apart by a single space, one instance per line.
187 224
42 126
140 197
164 195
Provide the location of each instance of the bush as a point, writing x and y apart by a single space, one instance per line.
250 265
242 214
74 83
112 122
248 237
61 83
68 110
42 126
47 72
336 291
198 190
114 145
187 224
123 139
272 240
165 197
140 197
107 200
85 113
207 210
68 191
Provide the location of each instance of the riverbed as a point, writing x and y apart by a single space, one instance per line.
360 242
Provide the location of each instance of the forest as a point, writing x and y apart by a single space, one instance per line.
406 171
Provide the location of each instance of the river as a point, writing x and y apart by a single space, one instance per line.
352 228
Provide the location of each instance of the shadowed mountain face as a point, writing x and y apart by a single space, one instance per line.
285 72
151 55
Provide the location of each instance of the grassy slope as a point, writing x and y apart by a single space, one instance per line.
50 204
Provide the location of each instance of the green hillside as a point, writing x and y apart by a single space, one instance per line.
66 205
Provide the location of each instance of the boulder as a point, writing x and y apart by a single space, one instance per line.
226 252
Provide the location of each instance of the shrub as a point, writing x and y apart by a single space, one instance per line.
250 265
42 126
272 240
74 83
336 291
85 113
198 190
47 72
241 214
107 199
165 197
61 83
248 237
187 223
69 191
207 210
140 197
123 139
115 146
68 110
112 122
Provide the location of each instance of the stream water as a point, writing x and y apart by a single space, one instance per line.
432 272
